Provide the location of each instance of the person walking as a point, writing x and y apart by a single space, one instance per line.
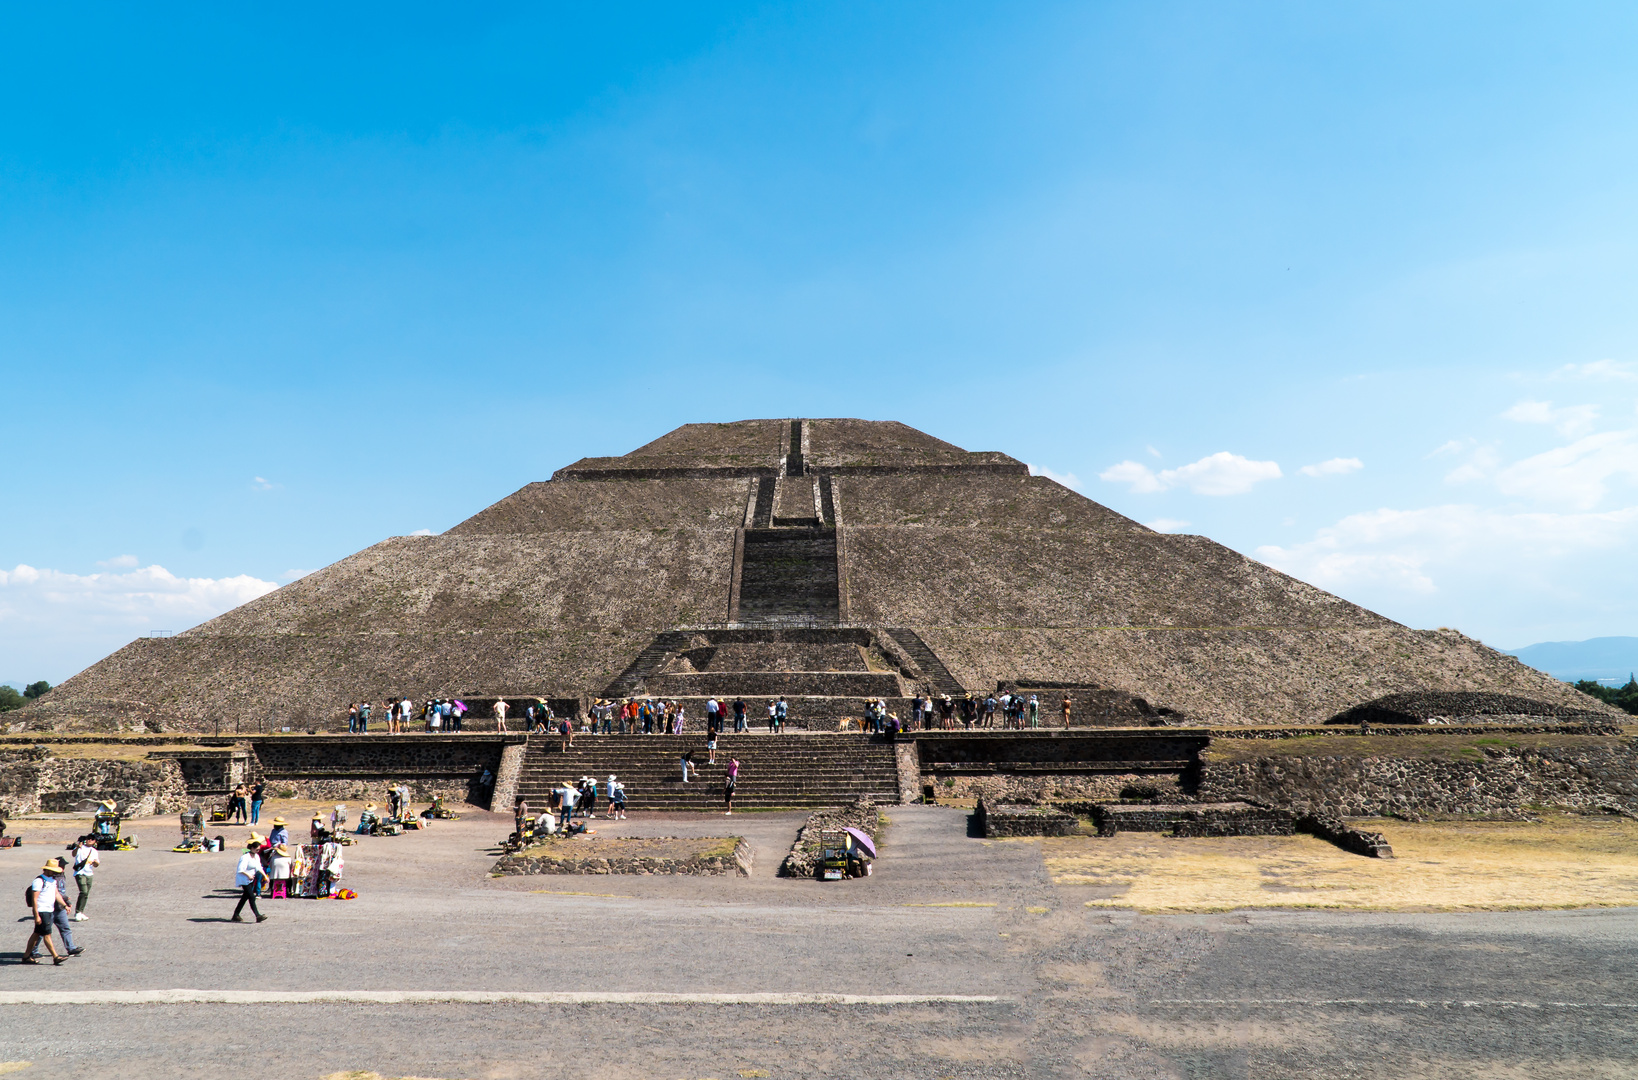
85 865
500 716
730 781
248 876
566 729
1066 710
42 898
258 795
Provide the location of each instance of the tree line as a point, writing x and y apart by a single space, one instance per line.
11 699
1624 698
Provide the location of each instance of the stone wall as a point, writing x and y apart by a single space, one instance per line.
998 821
34 782
1585 774
1030 790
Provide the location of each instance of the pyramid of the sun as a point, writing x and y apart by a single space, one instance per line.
827 557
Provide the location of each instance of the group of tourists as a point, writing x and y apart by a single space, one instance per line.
969 712
47 898
655 716
568 801
438 715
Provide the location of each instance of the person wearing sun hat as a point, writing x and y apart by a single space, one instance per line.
280 833
248 876
44 896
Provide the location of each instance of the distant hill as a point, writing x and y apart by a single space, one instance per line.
1601 658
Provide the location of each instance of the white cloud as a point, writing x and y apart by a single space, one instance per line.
1480 465
1404 550
147 598
1141 477
119 562
1576 475
1454 446
1568 420
263 484
1337 466
1068 479
1221 473
1622 371
422 532
1152 451
1167 525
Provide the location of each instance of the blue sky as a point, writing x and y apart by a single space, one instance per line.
275 284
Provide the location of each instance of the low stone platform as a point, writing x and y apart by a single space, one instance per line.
1193 819
708 856
999 821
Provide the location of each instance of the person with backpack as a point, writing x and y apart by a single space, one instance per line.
42 898
85 865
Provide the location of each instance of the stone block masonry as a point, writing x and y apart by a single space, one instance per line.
33 781
1192 819
1003 821
1434 775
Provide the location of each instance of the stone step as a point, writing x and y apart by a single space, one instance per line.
789 572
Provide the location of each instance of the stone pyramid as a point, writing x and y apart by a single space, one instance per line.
825 560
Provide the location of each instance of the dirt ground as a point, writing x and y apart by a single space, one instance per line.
1558 862
1041 976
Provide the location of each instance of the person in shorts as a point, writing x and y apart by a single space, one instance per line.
711 723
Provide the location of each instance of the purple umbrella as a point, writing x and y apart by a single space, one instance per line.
864 841
461 705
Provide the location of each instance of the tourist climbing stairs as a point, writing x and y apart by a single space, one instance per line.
790 770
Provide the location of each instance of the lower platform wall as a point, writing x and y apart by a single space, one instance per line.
1499 781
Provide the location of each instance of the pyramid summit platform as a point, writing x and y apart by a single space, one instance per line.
825 560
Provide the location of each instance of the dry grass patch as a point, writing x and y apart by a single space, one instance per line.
1559 862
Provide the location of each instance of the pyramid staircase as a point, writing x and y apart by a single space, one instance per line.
790 770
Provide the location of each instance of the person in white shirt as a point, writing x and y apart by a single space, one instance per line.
85 864
43 905
500 715
248 875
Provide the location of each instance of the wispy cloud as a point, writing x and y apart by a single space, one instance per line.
1337 466
1406 550
143 598
1577 475
1067 479
1167 525
1600 370
118 562
261 483
1568 420
421 532
1221 473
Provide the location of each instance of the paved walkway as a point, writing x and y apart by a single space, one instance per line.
958 958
